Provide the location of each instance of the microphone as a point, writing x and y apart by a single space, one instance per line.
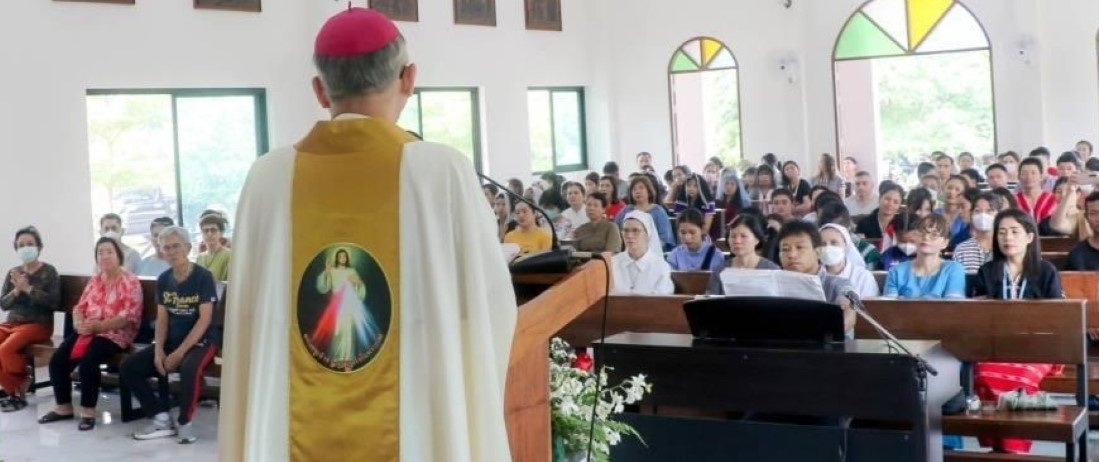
554 260
860 309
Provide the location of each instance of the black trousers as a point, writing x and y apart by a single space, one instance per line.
99 351
136 370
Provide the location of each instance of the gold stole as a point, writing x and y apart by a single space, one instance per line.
344 385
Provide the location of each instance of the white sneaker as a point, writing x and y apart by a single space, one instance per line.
154 430
187 433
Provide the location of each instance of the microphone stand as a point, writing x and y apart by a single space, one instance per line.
856 304
554 260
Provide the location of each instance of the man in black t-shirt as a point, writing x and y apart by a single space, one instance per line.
184 340
1085 255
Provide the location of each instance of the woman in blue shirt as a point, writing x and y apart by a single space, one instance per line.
642 197
693 254
928 275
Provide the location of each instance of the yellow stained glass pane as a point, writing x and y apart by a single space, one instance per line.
709 49
922 16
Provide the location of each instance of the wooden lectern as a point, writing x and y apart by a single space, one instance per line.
548 303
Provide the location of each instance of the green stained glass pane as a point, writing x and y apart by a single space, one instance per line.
683 63
862 39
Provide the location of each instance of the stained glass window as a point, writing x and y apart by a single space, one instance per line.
912 77
705 100
884 28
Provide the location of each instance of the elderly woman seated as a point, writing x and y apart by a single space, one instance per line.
106 320
30 296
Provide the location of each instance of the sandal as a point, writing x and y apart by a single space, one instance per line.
52 417
12 404
86 423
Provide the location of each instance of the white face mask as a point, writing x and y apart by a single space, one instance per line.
114 235
27 254
831 255
983 221
908 248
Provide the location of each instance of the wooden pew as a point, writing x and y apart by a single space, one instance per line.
1047 331
39 354
1080 285
691 282
1057 244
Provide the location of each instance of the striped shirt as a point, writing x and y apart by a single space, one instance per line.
971 255
1041 208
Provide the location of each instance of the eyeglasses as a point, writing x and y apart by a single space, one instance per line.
172 247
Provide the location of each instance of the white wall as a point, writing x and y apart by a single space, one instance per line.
1053 99
618 49
52 52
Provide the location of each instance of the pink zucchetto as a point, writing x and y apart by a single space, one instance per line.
356 31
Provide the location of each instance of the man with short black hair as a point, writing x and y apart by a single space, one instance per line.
782 204
799 245
155 264
996 176
863 201
944 167
644 159
1067 164
1049 173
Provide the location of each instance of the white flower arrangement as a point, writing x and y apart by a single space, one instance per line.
572 396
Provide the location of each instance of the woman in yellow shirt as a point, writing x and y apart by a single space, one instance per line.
528 236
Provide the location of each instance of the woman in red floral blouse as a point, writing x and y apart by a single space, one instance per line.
106 321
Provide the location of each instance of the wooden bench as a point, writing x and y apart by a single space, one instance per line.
1057 244
72 287
691 282
1046 331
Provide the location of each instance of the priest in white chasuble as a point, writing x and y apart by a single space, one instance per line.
371 313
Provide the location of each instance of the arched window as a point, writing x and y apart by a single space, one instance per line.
705 99
912 77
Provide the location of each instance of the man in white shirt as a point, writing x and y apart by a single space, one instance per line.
864 201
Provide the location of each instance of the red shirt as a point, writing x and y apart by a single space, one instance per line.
102 301
1041 208
614 208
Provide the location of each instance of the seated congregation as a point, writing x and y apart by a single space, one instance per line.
133 319
961 233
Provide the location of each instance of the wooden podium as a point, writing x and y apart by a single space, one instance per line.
548 303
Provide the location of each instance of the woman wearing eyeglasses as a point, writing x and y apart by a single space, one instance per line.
928 275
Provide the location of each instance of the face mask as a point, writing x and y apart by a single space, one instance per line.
114 235
552 214
908 248
831 255
1086 189
27 254
983 221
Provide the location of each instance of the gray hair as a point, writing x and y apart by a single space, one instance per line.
176 231
362 75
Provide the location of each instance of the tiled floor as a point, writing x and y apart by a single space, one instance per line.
22 439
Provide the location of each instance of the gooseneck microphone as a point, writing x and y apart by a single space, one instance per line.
554 260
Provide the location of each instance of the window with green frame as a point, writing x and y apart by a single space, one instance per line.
171 152
558 133
447 115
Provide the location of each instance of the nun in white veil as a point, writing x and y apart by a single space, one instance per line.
839 257
641 269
